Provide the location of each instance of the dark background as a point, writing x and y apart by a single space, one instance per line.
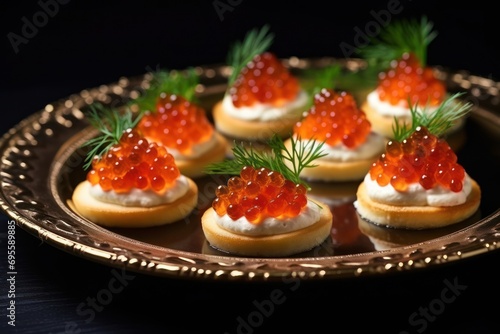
89 43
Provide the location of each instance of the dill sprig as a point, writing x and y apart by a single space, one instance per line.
300 156
327 77
256 41
182 83
399 37
111 125
437 122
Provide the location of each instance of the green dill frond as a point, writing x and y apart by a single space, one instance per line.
182 83
111 125
336 76
437 122
300 156
399 37
327 77
256 41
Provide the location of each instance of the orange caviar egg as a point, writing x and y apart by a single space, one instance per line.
335 119
134 163
264 80
177 123
408 79
421 158
259 193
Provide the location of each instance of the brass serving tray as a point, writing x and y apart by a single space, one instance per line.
41 163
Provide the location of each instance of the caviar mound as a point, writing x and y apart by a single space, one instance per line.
260 212
421 158
278 245
336 120
134 162
177 124
417 183
184 128
257 194
133 182
264 80
407 82
264 99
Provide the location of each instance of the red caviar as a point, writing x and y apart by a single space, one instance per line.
259 193
264 80
334 118
177 123
134 163
408 79
421 158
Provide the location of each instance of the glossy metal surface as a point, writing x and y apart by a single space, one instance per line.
41 163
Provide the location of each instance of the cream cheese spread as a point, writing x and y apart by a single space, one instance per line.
387 109
270 226
373 146
141 198
416 195
263 111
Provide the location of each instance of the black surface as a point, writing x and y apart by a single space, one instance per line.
89 43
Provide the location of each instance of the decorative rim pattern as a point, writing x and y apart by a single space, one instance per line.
32 167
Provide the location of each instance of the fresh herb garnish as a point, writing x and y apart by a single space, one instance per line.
301 155
327 77
399 37
111 125
437 121
256 41
182 83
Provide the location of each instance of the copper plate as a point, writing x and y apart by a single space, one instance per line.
42 162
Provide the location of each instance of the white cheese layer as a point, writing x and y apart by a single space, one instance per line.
141 198
373 145
263 111
197 150
270 226
387 109
416 195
